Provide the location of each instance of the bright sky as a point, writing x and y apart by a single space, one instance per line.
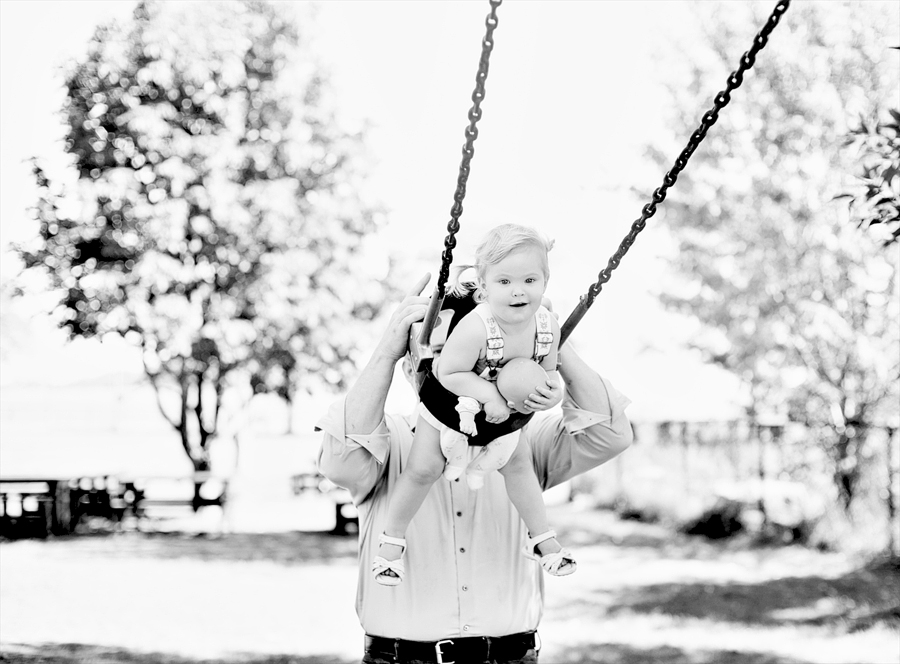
571 99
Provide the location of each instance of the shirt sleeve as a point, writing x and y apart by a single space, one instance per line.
576 441
352 461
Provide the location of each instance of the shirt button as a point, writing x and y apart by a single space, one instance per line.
465 628
462 549
459 514
464 589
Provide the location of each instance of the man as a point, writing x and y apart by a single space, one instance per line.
470 595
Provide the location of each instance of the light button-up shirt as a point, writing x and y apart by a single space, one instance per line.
466 574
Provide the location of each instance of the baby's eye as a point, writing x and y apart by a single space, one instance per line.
530 280
504 281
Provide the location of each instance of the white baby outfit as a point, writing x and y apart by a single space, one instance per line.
496 453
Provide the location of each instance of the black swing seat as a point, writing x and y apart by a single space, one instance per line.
441 402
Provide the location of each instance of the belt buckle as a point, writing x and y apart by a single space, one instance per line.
439 654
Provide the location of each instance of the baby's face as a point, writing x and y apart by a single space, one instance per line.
514 287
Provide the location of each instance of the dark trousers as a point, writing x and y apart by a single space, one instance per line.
531 657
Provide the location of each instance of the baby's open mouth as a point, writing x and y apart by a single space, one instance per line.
519 304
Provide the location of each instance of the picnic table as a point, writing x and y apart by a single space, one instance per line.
153 499
33 506
346 517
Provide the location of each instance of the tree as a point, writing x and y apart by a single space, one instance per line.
875 206
211 212
789 297
878 200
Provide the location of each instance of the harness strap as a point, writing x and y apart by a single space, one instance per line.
543 338
494 351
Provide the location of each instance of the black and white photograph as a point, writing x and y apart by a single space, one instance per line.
450 331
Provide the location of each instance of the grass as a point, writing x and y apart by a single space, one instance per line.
642 593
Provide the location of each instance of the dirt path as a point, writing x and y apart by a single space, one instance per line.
641 594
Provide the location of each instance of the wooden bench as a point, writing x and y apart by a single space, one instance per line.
346 517
42 506
27 506
154 499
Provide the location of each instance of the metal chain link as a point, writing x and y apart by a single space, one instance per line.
708 120
468 151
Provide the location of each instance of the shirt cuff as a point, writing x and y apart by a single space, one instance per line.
577 419
377 443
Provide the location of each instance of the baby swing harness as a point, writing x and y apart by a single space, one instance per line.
433 395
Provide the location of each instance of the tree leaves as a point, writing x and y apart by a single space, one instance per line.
877 199
802 305
215 216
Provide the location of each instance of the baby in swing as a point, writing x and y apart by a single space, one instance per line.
512 270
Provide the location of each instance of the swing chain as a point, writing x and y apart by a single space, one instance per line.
468 151
708 120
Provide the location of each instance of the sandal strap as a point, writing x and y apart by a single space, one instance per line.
396 541
381 565
551 562
543 537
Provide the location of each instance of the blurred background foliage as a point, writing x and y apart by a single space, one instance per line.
877 199
211 213
790 295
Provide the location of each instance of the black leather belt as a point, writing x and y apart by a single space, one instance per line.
462 650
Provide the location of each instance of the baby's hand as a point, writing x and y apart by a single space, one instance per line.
496 411
467 424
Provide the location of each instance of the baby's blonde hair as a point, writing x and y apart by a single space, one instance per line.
499 243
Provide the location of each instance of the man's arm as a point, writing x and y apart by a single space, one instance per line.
365 400
592 430
355 441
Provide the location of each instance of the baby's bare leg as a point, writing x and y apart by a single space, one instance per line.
423 468
525 493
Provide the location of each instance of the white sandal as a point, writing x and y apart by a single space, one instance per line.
381 565
560 563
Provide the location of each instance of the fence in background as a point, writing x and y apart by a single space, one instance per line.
780 473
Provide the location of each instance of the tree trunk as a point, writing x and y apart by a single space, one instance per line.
685 460
761 471
891 496
196 439
847 463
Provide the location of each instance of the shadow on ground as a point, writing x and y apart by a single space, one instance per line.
667 538
76 653
295 548
70 653
623 654
858 600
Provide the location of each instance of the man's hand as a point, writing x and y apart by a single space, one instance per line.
411 310
544 398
